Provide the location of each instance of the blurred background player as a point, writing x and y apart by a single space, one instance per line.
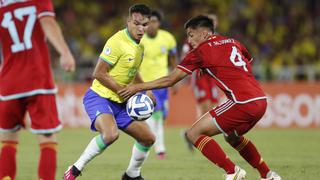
205 90
160 53
117 67
228 62
26 82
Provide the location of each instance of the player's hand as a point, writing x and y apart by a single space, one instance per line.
67 62
151 96
128 91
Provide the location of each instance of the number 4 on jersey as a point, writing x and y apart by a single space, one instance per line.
9 24
235 55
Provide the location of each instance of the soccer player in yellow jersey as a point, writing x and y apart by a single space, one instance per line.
160 52
117 67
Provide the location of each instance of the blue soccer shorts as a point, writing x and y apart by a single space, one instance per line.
162 97
96 105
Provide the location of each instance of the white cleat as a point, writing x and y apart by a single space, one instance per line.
239 174
272 176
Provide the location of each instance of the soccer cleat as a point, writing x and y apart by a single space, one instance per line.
272 176
126 177
186 140
239 174
71 173
161 155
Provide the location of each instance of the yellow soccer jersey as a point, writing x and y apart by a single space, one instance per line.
125 56
156 51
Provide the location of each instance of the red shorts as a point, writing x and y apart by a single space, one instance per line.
230 117
42 110
206 89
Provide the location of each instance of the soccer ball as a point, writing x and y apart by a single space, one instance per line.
140 107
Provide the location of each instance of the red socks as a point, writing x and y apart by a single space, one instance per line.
8 160
214 153
250 153
48 161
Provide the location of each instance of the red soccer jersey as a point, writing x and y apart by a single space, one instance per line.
228 63
25 68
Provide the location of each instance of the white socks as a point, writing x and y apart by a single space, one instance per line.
156 126
95 147
139 154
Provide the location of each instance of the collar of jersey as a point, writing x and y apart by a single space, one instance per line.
130 37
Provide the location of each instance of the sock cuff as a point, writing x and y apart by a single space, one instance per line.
100 142
202 141
157 115
141 147
244 142
49 145
12 144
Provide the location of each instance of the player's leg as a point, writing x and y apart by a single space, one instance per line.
140 131
8 155
11 119
205 97
48 156
245 147
160 116
45 123
159 145
106 125
100 111
155 122
200 135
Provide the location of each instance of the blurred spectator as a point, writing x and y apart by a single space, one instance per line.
283 35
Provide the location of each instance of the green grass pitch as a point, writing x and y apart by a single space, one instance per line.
293 153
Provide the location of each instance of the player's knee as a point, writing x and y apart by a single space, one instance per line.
48 135
191 135
233 139
148 140
110 137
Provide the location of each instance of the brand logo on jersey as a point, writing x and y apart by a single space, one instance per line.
131 59
107 51
163 49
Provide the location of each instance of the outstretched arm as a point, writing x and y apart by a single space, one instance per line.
53 33
166 81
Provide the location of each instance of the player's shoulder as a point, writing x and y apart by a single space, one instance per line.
165 33
117 37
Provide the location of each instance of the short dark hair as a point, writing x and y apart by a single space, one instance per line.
200 21
140 8
157 14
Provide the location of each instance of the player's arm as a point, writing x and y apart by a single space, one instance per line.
166 81
246 53
104 78
173 58
54 34
138 79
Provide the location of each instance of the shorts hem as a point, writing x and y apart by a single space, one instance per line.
220 129
125 126
15 129
46 131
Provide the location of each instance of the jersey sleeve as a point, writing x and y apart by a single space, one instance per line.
246 53
45 8
189 63
172 44
111 51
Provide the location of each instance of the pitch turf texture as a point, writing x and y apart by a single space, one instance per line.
293 153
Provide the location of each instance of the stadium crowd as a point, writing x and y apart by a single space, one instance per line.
281 35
